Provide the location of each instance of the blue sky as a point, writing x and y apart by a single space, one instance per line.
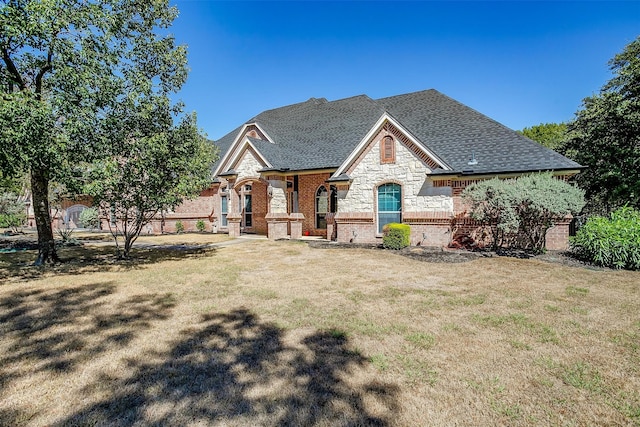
520 63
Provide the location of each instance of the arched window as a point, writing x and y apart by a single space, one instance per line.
387 150
321 207
72 216
389 204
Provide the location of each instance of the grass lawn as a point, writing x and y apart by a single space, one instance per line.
280 333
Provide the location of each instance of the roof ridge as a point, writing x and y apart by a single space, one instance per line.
409 93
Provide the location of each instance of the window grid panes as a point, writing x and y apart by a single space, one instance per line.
224 210
389 204
248 219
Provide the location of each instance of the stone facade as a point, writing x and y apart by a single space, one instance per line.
407 170
427 211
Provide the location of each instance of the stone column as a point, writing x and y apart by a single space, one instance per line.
296 225
277 189
277 224
233 223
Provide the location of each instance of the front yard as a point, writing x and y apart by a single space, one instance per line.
281 333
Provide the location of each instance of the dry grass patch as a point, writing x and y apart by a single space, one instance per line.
278 333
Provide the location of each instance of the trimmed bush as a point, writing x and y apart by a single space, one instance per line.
179 227
89 218
200 226
396 236
610 242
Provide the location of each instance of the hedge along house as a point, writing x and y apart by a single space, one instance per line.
343 169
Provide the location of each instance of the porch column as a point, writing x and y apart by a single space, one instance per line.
233 224
277 224
296 219
277 194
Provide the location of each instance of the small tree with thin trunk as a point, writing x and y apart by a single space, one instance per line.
152 167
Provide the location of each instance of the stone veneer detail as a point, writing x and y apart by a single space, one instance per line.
408 170
248 166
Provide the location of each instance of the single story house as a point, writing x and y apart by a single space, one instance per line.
343 169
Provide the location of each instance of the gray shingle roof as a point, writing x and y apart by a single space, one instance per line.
320 134
456 133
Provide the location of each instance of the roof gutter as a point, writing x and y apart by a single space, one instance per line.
489 174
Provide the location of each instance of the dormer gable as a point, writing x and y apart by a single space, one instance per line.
388 132
243 139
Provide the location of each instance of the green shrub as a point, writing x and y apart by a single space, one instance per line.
610 242
396 236
65 235
12 211
12 220
179 227
520 211
200 226
89 218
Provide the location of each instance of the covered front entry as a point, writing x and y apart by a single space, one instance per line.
243 206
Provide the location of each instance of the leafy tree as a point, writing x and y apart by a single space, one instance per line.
605 137
64 65
520 211
551 135
152 166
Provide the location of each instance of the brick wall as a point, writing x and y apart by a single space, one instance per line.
259 203
356 227
189 213
558 237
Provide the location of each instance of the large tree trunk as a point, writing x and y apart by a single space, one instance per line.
40 193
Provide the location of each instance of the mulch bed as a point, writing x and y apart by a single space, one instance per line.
446 255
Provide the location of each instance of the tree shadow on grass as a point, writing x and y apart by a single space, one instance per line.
57 331
232 369
92 259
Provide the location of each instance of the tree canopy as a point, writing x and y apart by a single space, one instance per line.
150 165
551 135
605 137
65 65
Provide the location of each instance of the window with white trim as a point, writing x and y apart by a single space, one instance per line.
224 208
389 204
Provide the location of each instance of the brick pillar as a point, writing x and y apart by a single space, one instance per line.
296 225
233 224
277 224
